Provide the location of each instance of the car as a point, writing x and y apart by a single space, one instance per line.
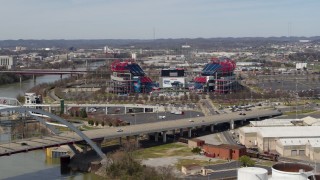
240 114
198 115
24 144
119 130
191 120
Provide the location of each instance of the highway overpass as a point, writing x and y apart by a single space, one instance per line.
99 135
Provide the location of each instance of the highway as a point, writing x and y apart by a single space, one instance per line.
133 130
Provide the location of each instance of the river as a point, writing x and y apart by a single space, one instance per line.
32 165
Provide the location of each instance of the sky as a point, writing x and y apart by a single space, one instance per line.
144 19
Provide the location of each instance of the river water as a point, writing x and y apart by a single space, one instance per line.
32 165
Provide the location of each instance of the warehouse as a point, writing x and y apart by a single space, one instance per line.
265 137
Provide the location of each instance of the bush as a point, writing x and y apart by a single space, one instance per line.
246 161
102 123
90 122
196 150
97 123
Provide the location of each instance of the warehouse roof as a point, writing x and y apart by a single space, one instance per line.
290 131
298 141
273 122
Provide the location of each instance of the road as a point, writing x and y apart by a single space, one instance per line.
133 130
228 137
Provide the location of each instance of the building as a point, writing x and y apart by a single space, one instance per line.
32 98
193 143
7 62
217 76
191 169
283 140
128 77
224 151
172 78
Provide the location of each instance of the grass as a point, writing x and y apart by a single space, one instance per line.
265 163
183 162
166 150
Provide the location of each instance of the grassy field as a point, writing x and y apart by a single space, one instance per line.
183 162
166 150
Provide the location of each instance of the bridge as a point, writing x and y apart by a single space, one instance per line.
45 72
99 135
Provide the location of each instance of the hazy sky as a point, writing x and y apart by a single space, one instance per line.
136 19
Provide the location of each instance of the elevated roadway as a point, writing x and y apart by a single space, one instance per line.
134 130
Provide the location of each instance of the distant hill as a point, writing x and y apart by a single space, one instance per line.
200 43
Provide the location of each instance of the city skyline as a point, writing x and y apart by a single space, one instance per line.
142 19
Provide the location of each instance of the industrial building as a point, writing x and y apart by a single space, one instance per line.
288 141
217 76
128 77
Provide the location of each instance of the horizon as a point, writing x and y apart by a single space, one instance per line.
167 19
307 37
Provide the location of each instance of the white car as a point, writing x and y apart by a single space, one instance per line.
119 130
191 120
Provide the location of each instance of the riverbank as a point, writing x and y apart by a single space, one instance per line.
9 78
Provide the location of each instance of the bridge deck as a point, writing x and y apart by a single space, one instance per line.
111 133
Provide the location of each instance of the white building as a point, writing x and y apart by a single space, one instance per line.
7 61
32 98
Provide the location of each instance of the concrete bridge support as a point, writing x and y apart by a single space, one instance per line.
106 110
136 140
181 132
232 124
189 132
212 128
242 121
174 134
164 136
156 136
34 77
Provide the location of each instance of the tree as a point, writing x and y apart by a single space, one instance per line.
83 113
102 123
246 161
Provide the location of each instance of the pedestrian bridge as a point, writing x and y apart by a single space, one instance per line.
94 136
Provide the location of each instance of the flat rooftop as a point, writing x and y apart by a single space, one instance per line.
289 131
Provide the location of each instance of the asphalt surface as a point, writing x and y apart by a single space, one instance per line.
229 138
116 132
142 118
288 85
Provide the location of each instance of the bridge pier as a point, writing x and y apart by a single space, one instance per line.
136 140
231 124
212 128
156 136
181 132
241 122
34 77
60 77
106 110
20 79
189 132
164 136
174 134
